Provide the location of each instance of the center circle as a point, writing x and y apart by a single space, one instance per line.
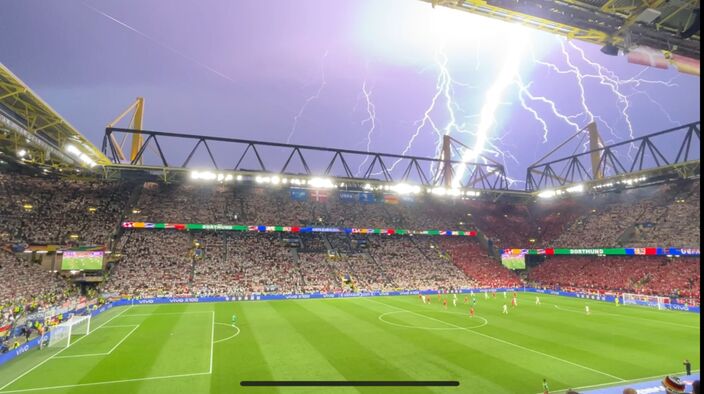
383 318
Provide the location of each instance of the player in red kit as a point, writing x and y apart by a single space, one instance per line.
471 312
444 303
466 300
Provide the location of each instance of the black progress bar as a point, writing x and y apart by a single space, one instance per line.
346 383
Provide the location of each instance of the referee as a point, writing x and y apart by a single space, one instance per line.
687 366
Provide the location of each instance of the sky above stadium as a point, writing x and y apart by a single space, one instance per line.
388 76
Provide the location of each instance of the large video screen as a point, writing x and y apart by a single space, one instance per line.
514 259
82 260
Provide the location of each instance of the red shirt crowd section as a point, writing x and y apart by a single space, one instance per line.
632 274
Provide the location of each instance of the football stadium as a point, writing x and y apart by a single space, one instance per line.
446 196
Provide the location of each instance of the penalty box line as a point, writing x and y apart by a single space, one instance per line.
68 386
60 351
504 341
167 314
109 352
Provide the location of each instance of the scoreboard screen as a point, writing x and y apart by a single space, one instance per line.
82 260
514 259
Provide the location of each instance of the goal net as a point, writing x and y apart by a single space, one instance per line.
645 300
63 334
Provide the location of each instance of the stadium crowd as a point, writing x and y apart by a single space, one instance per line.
254 205
27 288
653 216
44 210
474 262
40 210
673 277
164 263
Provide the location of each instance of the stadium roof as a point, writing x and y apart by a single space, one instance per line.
667 25
32 132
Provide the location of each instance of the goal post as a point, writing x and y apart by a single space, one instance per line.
645 300
61 336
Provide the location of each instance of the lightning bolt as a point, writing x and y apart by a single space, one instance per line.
442 83
444 115
610 80
660 106
524 91
316 96
606 78
492 100
371 119
445 85
444 97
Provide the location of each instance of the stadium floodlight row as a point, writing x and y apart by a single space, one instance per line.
656 160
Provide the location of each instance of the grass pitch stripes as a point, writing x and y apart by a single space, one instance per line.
345 339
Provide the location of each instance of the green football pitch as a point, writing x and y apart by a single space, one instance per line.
194 348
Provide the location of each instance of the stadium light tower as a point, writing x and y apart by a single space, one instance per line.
136 123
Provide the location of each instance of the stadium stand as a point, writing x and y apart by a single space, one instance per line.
645 217
26 288
155 264
474 262
201 203
41 210
50 210
673 277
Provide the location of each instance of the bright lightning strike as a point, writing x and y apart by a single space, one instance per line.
604 77
613 84
441 85
492 100
445 85
316 96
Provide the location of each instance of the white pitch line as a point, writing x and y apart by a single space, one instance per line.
120 326
212 342
628 317
123 339
133 326
81 355
231 336
452 327
166 313
59 352
68 386
506 342
626 381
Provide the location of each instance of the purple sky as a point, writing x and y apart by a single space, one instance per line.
296 69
